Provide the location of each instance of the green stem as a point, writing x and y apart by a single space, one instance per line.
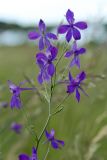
48 119
64 99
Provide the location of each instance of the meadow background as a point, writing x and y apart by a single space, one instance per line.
82 126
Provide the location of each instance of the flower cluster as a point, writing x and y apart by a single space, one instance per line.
45 60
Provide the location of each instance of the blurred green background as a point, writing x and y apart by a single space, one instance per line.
82 126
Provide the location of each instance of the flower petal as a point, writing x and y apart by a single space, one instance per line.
54 144
60 142
41 56
68 54
34 154
48 136
70 89
51 36
42 26
81 76
53 51
52 133
77 61
15 102
76 34
70 77
40 78
72 62
33 35
51 69
63 29
24 157
81 25
70 16
80 51
41 43
47 42
69 35
77 95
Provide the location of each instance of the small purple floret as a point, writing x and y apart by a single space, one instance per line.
72 29
75 84
26 157
76 52
16 127
45 63
42 35
16 90
55 143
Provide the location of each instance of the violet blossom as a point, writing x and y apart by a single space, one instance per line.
16 90
76 52
45 63
42 36
55 143
16 127
71 29
27 157
75 84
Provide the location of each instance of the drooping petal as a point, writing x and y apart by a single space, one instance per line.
24 157
15 102
72 62
51 36
68 54
70 77
77 95
51 69
54 144
41 43
81 25
70 89
69 35
33 35
70 16
42 26
63 29
77 61
76 34
40 78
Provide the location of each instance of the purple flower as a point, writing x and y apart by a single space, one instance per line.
76 52
55 143
16 90
42 35
75 84
71 29
26 157
45 63
16 127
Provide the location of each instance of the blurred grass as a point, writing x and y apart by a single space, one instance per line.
83 126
